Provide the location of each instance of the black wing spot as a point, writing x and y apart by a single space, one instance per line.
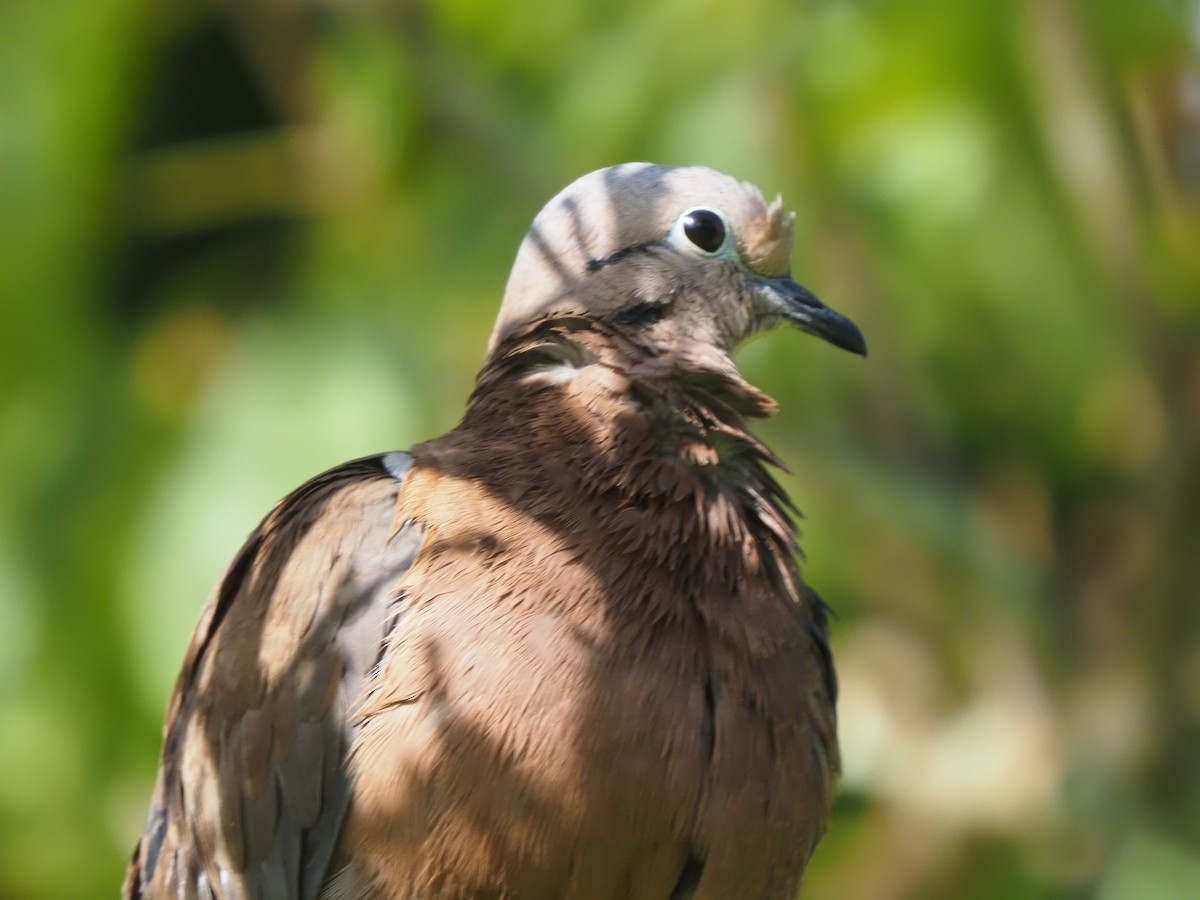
156 830
689 878
820 636
708 730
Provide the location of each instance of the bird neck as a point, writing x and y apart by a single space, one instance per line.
575 378
554 351
578 419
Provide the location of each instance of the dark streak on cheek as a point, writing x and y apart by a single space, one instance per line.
594 265
643 315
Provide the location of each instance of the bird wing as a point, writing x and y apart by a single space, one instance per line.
252 786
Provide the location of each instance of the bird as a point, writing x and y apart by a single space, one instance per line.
564 650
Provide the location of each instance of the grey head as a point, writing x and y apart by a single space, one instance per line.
692 260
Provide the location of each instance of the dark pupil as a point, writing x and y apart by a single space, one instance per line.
705 229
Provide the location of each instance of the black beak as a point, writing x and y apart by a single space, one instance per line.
800 306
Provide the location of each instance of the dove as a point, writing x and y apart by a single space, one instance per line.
564 650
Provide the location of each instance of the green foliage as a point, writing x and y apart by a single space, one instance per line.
242 242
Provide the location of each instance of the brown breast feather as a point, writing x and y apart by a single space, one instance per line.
607 679
599 676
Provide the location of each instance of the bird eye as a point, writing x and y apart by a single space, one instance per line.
704 228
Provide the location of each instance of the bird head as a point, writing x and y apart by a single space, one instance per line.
688 261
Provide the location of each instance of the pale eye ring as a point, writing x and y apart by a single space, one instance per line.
703 230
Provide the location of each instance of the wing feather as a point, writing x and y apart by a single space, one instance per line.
252 786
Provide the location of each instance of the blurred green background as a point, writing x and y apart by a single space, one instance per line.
243 241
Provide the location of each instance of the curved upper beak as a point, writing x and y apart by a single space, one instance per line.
800 306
